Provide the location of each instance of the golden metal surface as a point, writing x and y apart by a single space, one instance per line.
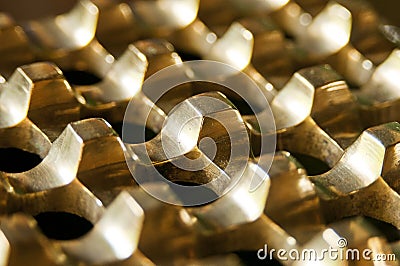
328 71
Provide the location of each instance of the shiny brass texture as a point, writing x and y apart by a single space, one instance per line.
379 97
119 228
281 230
391 167
51 38
314 233
226 212
121 80
310 103
108 98
75 49
18 44
142 19
188 34
354 233
115 241
234 47
179 145
83 169
318 44
303 214
69 41
353 50
214 229
64 33
174 240
352 186
28 138
54 186
333 156
60 161
102 168
38 92
358 233
82 151
368 31
309 32
161 54
330 78
270 45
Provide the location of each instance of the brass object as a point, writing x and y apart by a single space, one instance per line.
310 105
50 38
193 190
142 19
349 189
378 97
60 190
20 231
26 95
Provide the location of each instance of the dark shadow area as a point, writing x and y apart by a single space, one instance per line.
13 160
313 165
62 225
188 56
80 77
391 233
187 198
131 132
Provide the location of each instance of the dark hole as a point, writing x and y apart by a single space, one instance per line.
205 86
129 134
117 127
313 165
188 56
391 233
250 258
189 198
80 77
62 225
242 106
289 37
13 160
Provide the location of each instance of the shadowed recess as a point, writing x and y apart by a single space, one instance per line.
188 56
187 198
205 86
130 127
81 77
391 233
62 225
13 160
313 165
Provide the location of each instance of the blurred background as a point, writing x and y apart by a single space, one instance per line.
28 9
388 9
